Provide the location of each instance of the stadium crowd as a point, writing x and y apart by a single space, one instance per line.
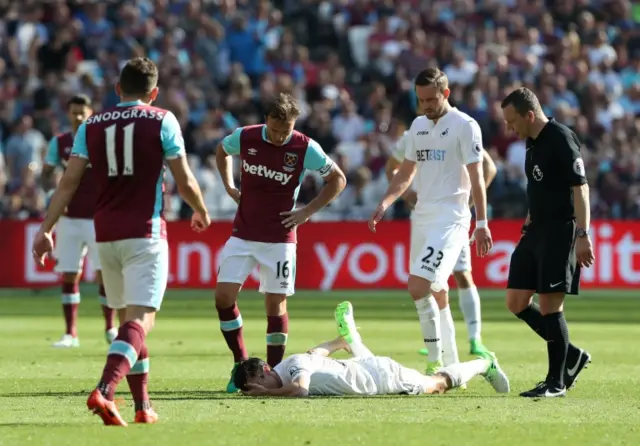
349 62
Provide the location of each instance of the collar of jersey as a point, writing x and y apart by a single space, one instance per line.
265 138
130 103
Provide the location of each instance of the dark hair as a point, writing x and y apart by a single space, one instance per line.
246 370
522 100
138 77
283 108
79 99
432 77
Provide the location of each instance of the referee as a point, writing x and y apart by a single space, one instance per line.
555 240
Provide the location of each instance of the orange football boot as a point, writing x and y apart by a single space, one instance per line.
148 416
107 410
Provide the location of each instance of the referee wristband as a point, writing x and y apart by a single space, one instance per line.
480 224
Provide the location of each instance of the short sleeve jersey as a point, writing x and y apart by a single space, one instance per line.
553 166
270 180
442 151
83 203
127 146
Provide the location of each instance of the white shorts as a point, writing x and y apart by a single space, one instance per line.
392 378
135 272
436 249
75 238
277 264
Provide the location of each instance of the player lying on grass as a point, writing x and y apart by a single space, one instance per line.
315 373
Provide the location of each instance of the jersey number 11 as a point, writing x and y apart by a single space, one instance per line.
127 149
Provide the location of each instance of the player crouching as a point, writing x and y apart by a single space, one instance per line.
315 373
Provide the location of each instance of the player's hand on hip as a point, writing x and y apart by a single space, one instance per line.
483 241
410 197
42 246
235 194
295 217
255 390
584 252
200 221
377 216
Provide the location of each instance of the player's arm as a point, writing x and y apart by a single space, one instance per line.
51 161
299 387
573 168
397 156
176 159
489 171
391 167
471 150
228 147
334 179
70 181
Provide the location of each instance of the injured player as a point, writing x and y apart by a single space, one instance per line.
315 373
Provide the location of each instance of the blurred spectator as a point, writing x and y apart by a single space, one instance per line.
350 63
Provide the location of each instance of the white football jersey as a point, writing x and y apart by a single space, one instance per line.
442 152
327 376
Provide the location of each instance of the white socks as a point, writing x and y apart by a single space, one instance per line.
462 373
359 350
429 317
469 300
449 346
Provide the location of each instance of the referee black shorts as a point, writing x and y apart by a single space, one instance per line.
545 259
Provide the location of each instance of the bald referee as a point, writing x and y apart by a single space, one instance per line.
555 240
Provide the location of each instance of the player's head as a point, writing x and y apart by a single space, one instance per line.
432 90
138 81
255 371
78 110
521 108
281 116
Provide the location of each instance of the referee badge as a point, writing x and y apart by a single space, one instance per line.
578 167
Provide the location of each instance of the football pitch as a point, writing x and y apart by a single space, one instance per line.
43 390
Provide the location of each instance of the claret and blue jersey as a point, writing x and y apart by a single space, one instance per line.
126 146
270 180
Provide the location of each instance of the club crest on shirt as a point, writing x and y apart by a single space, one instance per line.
293 371
290 161
444 133
478 148
537 173
67 150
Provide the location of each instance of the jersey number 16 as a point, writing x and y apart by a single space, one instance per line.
127 149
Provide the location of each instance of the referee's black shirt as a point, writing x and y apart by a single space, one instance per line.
553 166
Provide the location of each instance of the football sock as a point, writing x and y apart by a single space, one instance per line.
429 317
108 313
469 300
70 303
464 372
557 346
449 346
122 356
231 327
359 350
138 378
277 333
532 316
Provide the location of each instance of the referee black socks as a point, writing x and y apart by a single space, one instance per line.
532 316
557 347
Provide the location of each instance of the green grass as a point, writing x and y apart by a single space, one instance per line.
43 391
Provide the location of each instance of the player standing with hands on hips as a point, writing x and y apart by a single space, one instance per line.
444 153
128 146
555 240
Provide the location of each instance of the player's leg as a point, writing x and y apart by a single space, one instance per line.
487 367
429 273
89 237
145 268
447 328
558 274
277 282
420 292
348 331
69 254
102 403
236 263
469 301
